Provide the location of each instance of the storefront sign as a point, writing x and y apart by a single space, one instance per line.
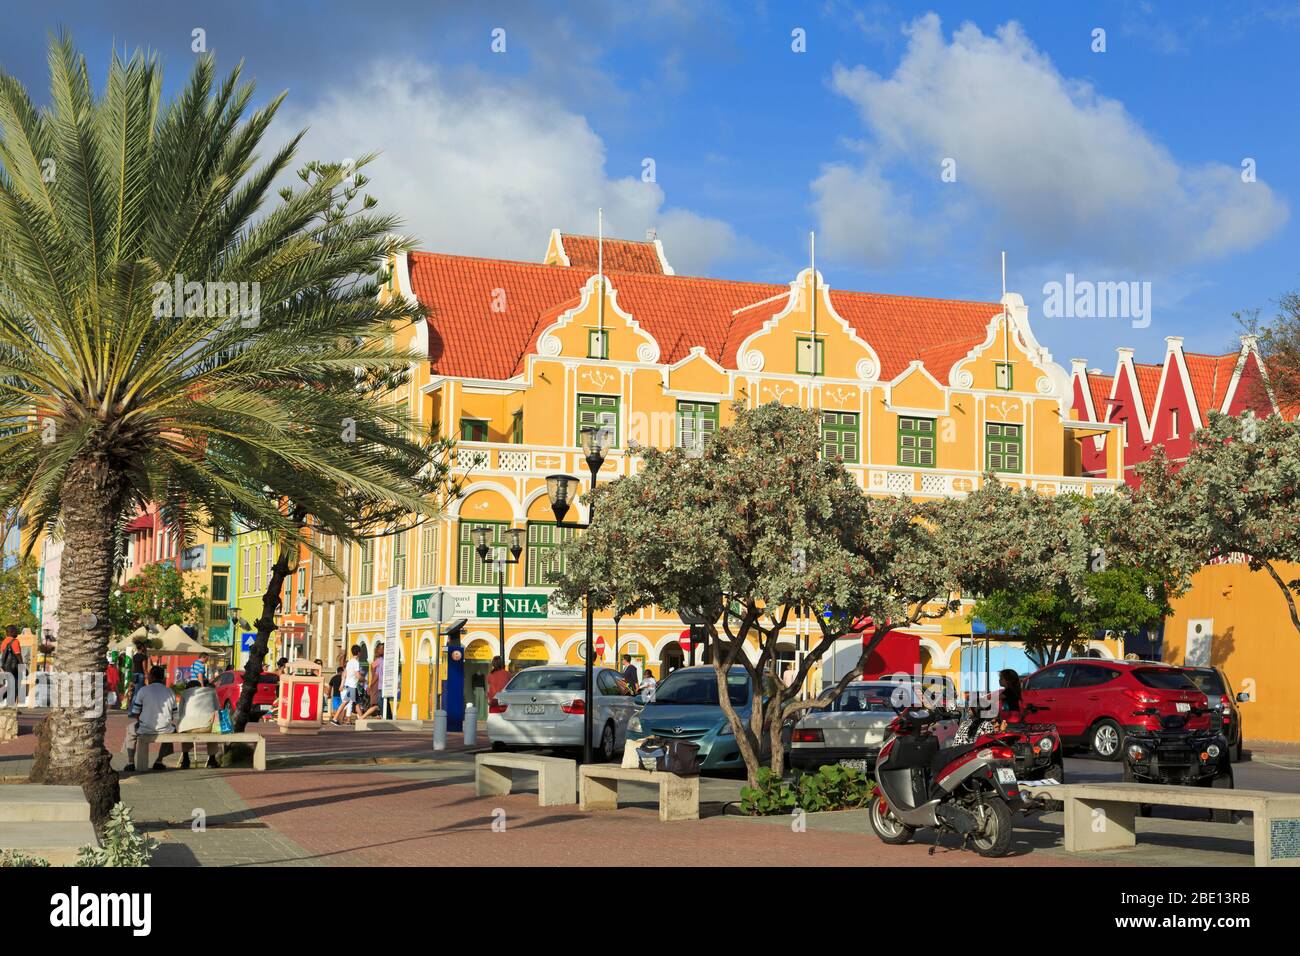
516 605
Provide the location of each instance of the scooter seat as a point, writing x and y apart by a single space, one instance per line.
949 754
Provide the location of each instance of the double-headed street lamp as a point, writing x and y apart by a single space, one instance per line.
563 491
482 536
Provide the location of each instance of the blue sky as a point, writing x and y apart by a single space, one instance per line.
1122 165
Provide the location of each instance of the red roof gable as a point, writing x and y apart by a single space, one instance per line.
469 337
621 255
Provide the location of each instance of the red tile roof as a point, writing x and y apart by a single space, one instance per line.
1099 387
621 255
468 337
1148 382
1210 376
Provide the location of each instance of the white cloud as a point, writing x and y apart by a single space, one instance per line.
488 168
860 215
1046 156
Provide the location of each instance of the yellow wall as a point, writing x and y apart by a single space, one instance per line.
1253 641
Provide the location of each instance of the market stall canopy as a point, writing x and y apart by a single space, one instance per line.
176 641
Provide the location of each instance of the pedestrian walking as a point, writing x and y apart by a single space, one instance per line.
629 673
498 677
11 661
351 677
375 683
336 690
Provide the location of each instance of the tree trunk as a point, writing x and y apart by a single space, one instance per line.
70 744
265 625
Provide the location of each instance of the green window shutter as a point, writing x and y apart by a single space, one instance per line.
399 561
697 423
470 568
598 411
598 344
517 427
840 437
916 442
543 558
1004 448
473 429
367 583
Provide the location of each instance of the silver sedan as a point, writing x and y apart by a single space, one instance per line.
545 707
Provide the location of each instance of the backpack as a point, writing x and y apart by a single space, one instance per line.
10 655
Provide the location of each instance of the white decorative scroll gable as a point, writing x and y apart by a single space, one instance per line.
549 343
1053 380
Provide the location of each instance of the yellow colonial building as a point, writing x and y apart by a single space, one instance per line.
918 397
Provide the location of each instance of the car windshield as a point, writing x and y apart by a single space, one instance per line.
1209 682
700 688
537 679
1162 678
874 698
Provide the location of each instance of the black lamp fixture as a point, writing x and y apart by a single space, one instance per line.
482 537
562 490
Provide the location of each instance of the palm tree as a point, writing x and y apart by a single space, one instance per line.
127 226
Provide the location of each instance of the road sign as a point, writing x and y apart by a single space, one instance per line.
685 639
600 646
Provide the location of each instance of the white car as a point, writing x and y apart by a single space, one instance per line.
852 728
545 707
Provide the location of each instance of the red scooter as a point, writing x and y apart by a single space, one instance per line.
967 789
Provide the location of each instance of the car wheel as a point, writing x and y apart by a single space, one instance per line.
1106 740
1056 771
886 825
607 743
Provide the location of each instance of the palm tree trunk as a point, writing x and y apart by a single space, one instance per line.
70 748
257 653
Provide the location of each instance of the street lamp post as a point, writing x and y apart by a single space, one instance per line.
482 544
562 490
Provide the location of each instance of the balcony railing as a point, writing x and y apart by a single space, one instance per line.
942 483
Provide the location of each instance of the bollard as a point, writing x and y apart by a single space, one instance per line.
439 730
471 725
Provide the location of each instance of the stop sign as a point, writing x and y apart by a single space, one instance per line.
685 639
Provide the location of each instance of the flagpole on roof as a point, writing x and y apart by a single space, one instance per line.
600 269
1006 325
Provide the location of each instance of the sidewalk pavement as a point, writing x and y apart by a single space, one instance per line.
1274 752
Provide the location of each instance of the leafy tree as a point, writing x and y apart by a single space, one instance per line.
110 206
1039 568
1238 492
18 583
755 527
1278 341
159 594
1054 624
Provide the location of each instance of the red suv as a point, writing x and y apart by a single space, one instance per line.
1095 702
230 683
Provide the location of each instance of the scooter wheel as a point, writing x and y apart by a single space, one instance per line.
886 825
996 838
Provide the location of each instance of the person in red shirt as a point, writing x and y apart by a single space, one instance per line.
112 677
497 678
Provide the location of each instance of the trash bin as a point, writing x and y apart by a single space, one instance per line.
302 695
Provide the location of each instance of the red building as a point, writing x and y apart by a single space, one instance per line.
1164 404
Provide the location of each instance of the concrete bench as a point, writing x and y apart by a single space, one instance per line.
145 741
1102 816
494 775
679 797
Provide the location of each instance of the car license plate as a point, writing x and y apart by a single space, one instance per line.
854 764
534 708
1183 708
1006 775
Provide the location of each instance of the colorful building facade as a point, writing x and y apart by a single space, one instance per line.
917 396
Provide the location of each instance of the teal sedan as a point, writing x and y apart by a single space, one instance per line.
686 707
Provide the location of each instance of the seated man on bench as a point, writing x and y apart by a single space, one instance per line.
198 708
154 711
